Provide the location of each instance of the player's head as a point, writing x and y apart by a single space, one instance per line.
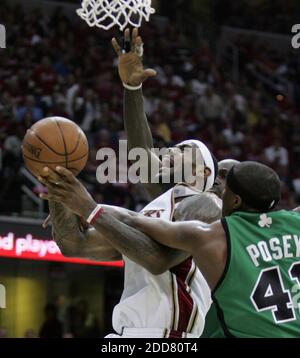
224 167
190 159
252 187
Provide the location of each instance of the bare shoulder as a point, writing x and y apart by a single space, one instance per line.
208 232
206 207
210 250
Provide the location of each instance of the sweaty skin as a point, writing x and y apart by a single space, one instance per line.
206 243
110 245
93 243
107 241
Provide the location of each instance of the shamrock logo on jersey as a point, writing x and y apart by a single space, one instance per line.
265 221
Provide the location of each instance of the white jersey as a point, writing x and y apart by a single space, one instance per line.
173 304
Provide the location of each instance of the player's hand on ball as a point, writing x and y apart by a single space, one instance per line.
63 187
131 69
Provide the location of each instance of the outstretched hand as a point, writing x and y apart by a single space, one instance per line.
131 69
64 188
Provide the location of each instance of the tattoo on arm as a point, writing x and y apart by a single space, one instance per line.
76 242
137 246
65 229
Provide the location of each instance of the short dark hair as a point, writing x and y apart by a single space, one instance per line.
257 184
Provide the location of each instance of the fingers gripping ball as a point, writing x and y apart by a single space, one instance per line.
52 142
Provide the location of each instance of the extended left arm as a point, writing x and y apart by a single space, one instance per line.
178 235
113 225
123 233
206 243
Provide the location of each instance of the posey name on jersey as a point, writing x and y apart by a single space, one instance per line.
287 246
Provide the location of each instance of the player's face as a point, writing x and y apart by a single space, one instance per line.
223 168
175 162
221 179
228 202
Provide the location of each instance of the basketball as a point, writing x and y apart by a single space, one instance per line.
52 142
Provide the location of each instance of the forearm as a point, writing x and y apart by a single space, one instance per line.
176 235
139 134
120 223
73 241
135 120
163 232
136 245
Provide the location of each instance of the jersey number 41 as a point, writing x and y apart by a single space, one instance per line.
269 293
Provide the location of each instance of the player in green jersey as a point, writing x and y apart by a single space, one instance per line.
197 208
251 258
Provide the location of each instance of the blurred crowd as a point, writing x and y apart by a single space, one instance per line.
52 67
263 15
64 320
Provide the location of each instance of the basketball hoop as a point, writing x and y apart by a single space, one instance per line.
107 13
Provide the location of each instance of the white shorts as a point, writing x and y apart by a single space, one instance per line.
150 333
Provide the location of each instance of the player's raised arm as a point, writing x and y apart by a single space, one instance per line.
133 74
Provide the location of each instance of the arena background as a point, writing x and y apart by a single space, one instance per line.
227 73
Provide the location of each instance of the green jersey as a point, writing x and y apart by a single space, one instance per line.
212 328
259 293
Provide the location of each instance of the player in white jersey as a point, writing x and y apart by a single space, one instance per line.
164 294
152 303
178 298
172 304
163 297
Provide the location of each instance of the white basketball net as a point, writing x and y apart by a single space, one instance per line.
107 13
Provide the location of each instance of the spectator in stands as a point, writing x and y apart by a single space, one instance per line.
296 184
52 327
30 109
277 154
199 84
88 323
210 106
193 94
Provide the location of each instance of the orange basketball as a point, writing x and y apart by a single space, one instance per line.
52 142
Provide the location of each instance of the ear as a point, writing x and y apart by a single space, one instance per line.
237 203
207 172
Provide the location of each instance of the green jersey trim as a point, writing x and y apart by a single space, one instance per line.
221 319
228 256
220 312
